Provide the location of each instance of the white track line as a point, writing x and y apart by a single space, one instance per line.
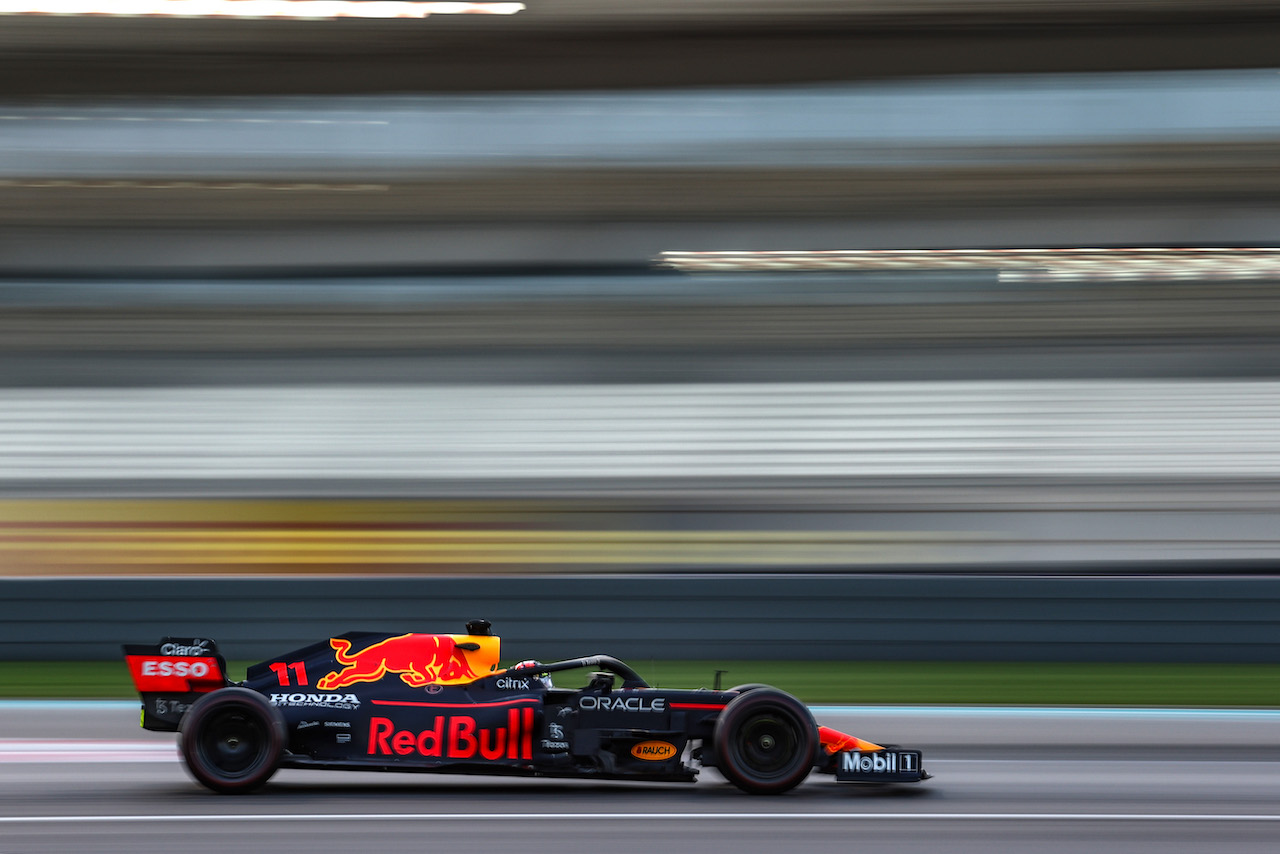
253 9
1087 712
659 816
1090 712
85 750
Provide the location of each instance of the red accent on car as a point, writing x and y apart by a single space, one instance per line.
175 674
454 705
455 737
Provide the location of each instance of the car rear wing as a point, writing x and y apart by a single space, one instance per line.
171 675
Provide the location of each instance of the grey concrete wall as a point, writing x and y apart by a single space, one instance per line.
830 617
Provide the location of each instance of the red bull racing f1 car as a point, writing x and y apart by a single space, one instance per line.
441 703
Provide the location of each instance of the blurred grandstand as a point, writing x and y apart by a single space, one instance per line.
398 296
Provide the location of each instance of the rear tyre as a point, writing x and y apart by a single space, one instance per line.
750 686
232 740
765 741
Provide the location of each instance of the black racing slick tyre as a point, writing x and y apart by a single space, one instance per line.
749 686
765 741
232 740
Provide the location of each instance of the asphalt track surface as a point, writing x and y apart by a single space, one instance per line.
1043 780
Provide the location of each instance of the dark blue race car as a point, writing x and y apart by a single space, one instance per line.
441 703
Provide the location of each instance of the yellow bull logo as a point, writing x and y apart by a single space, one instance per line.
418 659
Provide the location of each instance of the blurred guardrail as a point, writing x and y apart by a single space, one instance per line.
835 617
1201 265
977 122
620 312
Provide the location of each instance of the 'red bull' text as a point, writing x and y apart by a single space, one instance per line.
456 737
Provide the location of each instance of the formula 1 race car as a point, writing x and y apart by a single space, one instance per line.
438 702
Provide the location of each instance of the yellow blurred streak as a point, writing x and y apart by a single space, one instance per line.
620 545
516 538
198 537
255 511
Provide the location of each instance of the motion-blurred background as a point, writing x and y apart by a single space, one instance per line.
319 325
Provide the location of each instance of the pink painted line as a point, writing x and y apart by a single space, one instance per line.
70 750
454 705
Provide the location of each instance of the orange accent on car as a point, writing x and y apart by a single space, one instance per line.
834 741
654 751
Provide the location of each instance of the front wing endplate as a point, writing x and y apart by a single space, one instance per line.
880 766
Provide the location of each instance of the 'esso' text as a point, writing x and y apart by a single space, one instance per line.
161 667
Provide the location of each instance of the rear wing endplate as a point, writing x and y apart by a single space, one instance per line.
171 675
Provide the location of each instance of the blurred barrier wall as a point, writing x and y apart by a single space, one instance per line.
126 185
556 44
827 617
692 432
636 477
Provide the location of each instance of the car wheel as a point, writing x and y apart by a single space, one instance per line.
750 686
765 741
232 740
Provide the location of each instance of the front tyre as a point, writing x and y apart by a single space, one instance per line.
765 741
232 740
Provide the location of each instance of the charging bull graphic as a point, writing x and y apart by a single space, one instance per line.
419 659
